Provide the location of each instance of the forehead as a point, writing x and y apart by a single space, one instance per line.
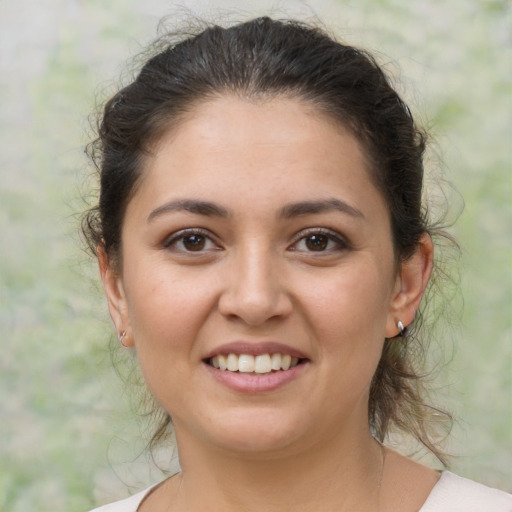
257 148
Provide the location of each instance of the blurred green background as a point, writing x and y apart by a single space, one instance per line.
68 438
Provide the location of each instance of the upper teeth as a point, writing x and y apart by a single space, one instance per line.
246 363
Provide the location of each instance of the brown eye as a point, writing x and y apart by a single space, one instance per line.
189 241
320 240
194 242
317 242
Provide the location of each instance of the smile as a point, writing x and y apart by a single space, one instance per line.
247 363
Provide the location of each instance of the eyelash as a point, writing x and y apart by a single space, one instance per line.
171 242
340 242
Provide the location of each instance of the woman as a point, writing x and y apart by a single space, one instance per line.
263 247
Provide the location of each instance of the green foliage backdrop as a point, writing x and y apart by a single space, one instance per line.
67 434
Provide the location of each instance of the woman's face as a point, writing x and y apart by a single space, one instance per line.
257 231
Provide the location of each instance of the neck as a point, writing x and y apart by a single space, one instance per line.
341 475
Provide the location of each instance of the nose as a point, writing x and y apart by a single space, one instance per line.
255 290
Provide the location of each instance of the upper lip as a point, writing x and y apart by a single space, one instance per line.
255 349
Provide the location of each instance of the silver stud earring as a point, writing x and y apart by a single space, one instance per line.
121 338
401 328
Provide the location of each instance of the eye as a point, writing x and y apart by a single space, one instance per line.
190 240
317 242
320 240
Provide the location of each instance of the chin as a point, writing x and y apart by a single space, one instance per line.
258 434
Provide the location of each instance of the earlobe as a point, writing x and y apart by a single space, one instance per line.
411 284
114 291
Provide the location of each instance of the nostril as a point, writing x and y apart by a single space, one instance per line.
254 297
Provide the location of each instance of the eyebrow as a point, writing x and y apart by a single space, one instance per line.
291 210
320 206
189 205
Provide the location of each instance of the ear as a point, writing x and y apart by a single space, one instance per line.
411 282
116 298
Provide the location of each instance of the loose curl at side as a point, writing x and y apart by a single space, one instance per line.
265 58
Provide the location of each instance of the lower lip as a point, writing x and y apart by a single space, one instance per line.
255 383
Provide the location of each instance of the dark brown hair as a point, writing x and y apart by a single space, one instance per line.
269 58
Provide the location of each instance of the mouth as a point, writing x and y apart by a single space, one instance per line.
256 367
262 364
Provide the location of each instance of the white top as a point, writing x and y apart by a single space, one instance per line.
452 493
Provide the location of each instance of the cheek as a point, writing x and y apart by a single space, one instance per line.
166 307
349 308
350 320
167 311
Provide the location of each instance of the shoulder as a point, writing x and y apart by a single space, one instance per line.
130 504
456 494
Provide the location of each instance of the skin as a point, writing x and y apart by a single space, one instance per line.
257 279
